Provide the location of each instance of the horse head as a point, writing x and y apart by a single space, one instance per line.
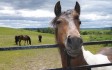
16 39
67 27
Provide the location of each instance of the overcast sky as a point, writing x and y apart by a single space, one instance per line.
39 13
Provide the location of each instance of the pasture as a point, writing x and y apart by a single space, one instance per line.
33 59
7 36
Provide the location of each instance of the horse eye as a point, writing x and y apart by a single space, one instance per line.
79 22
76 17
58 21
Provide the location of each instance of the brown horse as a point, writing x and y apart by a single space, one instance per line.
67 32
40 38
26 38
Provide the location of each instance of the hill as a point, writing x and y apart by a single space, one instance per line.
10 31
7 36
105 28
51 30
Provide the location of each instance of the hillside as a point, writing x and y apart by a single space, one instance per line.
12 31
7 36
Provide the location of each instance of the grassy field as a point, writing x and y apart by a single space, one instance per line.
7 36
32 59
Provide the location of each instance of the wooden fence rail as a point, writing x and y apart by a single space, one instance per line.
28 47
51 46
98 42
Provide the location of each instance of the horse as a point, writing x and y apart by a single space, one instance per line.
40 38
26 38
67 34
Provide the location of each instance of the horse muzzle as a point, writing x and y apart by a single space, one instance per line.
73 45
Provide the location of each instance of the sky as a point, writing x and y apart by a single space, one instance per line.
39 13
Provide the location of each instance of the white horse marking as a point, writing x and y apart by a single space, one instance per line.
92 59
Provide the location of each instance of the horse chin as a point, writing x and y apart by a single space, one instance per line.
73 52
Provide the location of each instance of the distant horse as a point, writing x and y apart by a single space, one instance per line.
67 32
40 38
26 38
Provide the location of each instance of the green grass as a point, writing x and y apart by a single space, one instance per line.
7 37
87 38
33 59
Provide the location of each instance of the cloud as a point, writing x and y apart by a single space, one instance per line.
39 13
96 24
36 13
95 13
96 5
36 4
26 13
25 22
96 17
24 4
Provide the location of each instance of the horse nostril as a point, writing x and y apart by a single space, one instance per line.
69 39
69 36
74 40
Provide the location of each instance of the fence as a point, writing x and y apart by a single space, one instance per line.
51 45
88 67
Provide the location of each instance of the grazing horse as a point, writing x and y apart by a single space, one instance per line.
67 33
40 38
26 38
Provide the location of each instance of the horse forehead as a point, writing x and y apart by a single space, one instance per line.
69 13
69 16
66 14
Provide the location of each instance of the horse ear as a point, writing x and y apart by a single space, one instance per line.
57 9
77 8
